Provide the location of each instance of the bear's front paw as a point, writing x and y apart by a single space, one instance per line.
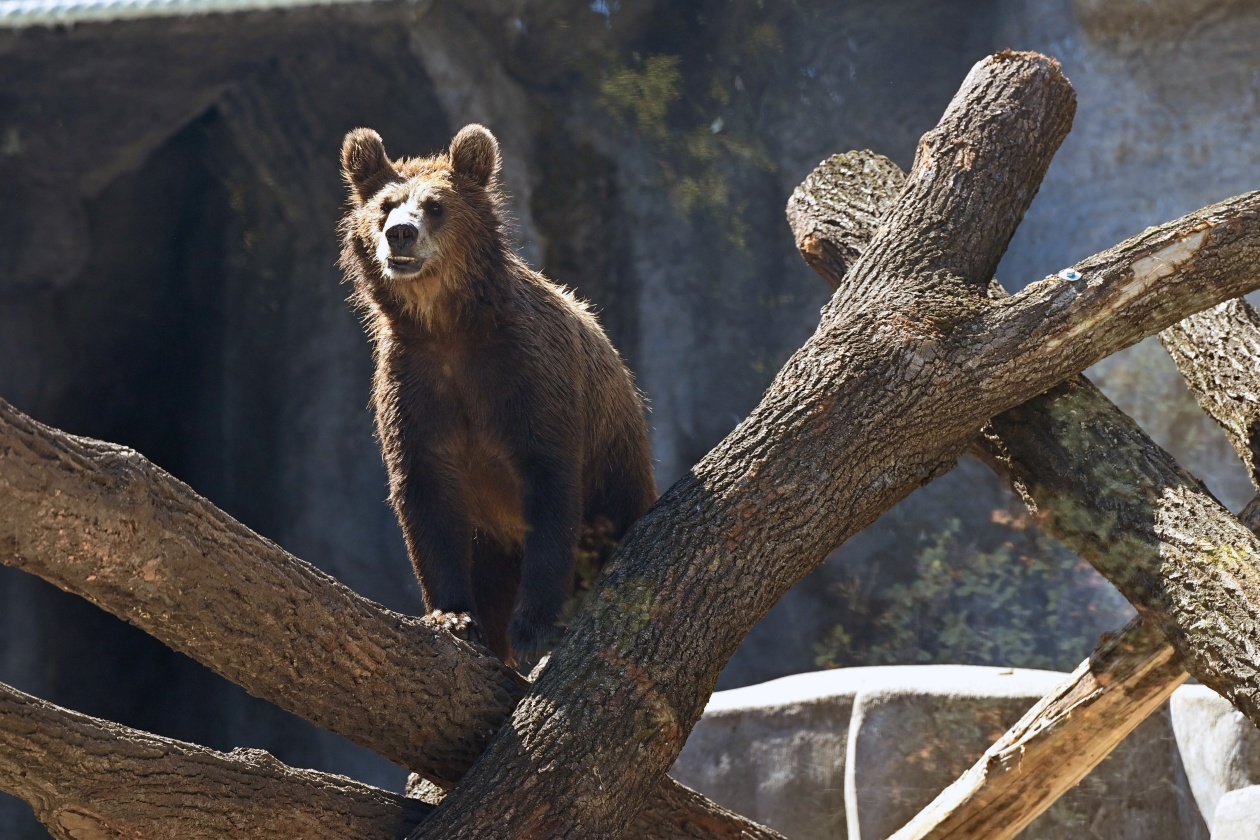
461 625
531 639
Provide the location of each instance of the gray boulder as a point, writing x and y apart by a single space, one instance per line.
775 752
857 752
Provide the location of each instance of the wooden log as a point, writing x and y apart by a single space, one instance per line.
909 362
103 522
89 779
1218 354
1071 730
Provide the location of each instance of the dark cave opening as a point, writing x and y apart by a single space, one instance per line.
132 351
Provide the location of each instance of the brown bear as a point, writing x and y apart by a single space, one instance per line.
506 418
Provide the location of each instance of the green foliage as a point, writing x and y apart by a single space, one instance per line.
689 123
646 93
1026 601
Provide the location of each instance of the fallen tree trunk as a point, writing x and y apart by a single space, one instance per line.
89 779
103 522
910 361
833 215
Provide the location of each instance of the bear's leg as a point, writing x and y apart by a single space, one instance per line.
553 513
439 541
496 574
625 493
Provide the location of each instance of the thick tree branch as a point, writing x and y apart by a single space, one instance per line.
1154 278
835 211
1218 353
89 779
763 508
103 522
1096 482
1075 727
884 397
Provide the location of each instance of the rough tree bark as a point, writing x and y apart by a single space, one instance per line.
910 361
90 779
833 215
1218 354
1188 565
103 522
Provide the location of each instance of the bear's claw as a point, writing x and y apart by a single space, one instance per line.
460 625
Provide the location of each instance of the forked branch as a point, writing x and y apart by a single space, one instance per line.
910 361
1075 727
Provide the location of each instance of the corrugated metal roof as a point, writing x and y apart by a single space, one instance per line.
16 14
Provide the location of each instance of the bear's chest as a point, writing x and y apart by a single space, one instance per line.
468 387
484 472
473 435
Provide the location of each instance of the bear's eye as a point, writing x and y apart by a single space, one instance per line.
433 208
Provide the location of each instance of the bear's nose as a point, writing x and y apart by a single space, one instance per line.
401 236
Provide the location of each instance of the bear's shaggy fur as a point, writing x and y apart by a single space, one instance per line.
505 416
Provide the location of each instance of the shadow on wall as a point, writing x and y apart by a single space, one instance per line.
138 348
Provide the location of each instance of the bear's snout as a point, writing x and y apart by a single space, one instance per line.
401 236
404 245
402 230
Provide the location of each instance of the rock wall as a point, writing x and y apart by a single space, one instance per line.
169 193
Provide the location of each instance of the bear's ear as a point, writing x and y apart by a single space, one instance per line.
475 154
364 163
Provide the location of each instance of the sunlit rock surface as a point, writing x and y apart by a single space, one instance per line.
1238 815
1219 747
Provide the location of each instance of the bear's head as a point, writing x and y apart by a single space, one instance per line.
421 230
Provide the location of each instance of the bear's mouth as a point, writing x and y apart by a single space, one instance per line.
404 266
